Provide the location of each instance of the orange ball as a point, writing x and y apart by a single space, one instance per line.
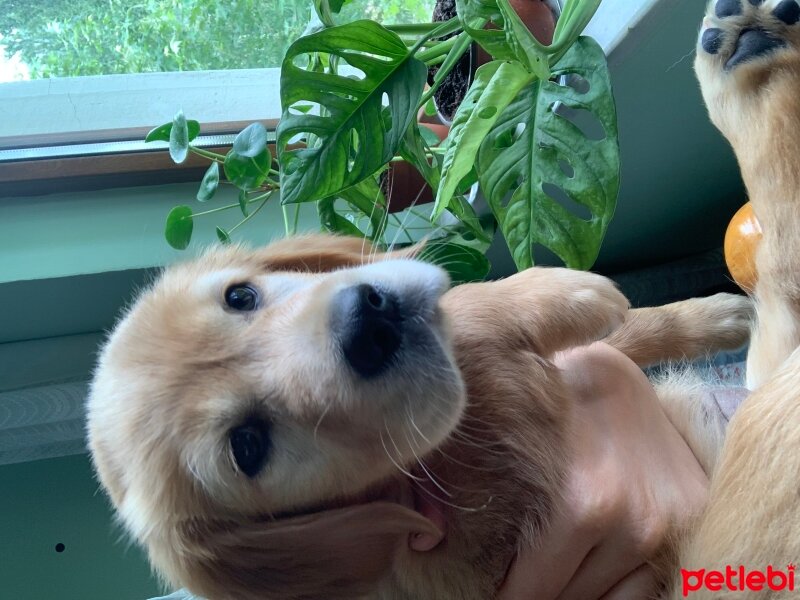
741 240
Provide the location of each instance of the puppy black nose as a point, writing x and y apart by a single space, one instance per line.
368 323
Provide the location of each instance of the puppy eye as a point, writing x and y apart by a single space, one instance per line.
250 444
241 297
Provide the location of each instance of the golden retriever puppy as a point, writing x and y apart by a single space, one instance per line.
748 64
292 422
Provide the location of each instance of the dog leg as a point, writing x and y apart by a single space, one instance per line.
681 331
752 517
748 63
684 330
539 309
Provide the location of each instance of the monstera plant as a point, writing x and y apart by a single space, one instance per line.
350 97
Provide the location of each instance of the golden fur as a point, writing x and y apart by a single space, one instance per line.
752 517
473 424
476 423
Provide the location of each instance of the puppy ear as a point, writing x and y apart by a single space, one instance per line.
336 554
323 253
316 253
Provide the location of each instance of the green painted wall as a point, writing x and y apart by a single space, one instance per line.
54 501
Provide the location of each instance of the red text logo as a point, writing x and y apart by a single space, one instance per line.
738 580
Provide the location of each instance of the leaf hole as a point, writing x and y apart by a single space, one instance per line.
580 84
562 198
302 61
380 57
348 70
566 168
504 139
352 150
518 183
542 255
488 112
304 107
518 131
344 96
589 125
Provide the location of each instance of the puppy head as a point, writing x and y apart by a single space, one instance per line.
246 391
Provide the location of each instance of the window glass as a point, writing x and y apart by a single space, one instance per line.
68 38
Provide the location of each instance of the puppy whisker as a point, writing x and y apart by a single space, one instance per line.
404 471
425 469
414 425
322 416
430 494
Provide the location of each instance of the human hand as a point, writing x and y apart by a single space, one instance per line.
631 480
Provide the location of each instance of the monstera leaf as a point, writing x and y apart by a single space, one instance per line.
508 39
532 149
361 118
496 84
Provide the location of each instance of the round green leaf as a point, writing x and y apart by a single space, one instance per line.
179 138
178 230
161 133
251 141
210 183
247 173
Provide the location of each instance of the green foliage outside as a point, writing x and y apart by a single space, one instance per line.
63 38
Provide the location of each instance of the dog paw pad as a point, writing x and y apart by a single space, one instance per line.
712 40
728 8
752 44
787 11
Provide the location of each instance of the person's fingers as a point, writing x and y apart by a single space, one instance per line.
641 583
601 570
542 573
539 574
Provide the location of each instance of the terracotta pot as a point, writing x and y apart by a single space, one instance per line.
403 185
538 15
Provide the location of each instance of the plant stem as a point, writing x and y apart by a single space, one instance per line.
252 214
402 228
290 228
229 206
438 50
207 154
442 29
412 28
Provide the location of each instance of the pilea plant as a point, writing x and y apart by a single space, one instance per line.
350 97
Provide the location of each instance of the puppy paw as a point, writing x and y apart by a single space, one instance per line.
725 319
592 301
736 314
742 45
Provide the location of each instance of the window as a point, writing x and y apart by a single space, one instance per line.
82 81
70 66
90 77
